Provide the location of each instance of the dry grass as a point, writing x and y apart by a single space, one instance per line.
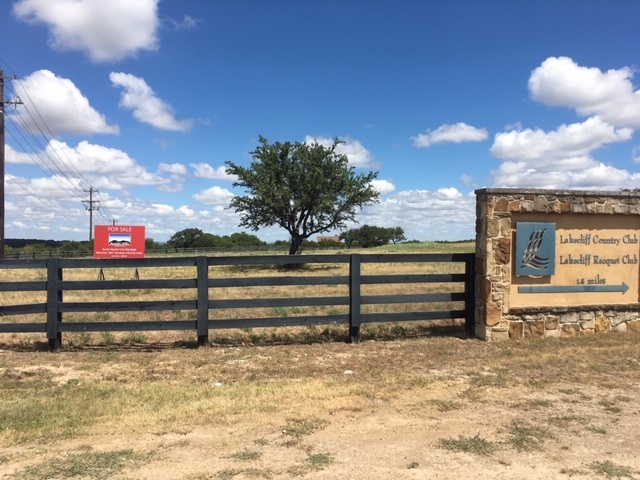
308 270
284 396
292 402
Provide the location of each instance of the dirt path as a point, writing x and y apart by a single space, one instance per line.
456 421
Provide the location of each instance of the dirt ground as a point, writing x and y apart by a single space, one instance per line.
526 411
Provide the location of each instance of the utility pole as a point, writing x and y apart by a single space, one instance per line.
89 206
3 102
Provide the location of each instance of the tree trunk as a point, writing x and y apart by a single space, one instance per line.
296 241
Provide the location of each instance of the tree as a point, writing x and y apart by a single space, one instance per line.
398 235
304 188
186 238
244 239
370 236
151 244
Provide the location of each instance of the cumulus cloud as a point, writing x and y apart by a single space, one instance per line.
214 196
57 105
174 168
559 81
177 176
358 156
443 214
55 188
458 133
105 31
204 170
577 139
146 106
104 167
383 186
11 155
561 158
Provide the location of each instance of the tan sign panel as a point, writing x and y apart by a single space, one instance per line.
596 261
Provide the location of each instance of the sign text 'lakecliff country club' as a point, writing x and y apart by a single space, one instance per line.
584 267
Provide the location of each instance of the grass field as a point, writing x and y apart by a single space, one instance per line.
411 401
216 272
426 406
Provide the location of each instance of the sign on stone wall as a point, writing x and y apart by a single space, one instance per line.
574 260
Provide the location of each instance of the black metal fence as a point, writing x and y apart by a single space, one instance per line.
206 301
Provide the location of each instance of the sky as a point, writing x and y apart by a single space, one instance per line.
137 105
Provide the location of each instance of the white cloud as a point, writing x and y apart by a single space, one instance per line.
467 180
187 23
577 139
104 30
175 168
204 170
214 196
144 103
383 186
358 156
561 158
186 211
103 167
449 193
53 189
13 156
587 174
55 104
444 214
559 81
458 133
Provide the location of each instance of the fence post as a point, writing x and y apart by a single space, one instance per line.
354 298
54 298
470 295
203 301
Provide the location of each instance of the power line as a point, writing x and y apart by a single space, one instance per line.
3 102
68 177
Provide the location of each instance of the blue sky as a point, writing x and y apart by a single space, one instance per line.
144 101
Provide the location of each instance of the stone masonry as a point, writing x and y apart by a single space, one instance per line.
495 320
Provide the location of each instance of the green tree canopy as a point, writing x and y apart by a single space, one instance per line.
398 235
304 188
244 239
186 238
372 236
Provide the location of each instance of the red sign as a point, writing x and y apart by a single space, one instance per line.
118 241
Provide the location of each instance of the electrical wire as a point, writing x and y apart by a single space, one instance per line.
70 178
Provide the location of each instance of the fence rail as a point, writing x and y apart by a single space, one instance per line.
206 302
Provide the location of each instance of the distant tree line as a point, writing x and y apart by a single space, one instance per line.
196 238
364 237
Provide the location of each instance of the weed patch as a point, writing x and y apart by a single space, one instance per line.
446 405
96 465
611 470
246 455
475 444
300 427
526 437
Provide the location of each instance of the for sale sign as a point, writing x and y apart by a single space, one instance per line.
118 241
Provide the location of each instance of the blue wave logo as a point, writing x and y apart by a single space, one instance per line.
530 257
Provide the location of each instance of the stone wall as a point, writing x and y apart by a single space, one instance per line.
495 318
